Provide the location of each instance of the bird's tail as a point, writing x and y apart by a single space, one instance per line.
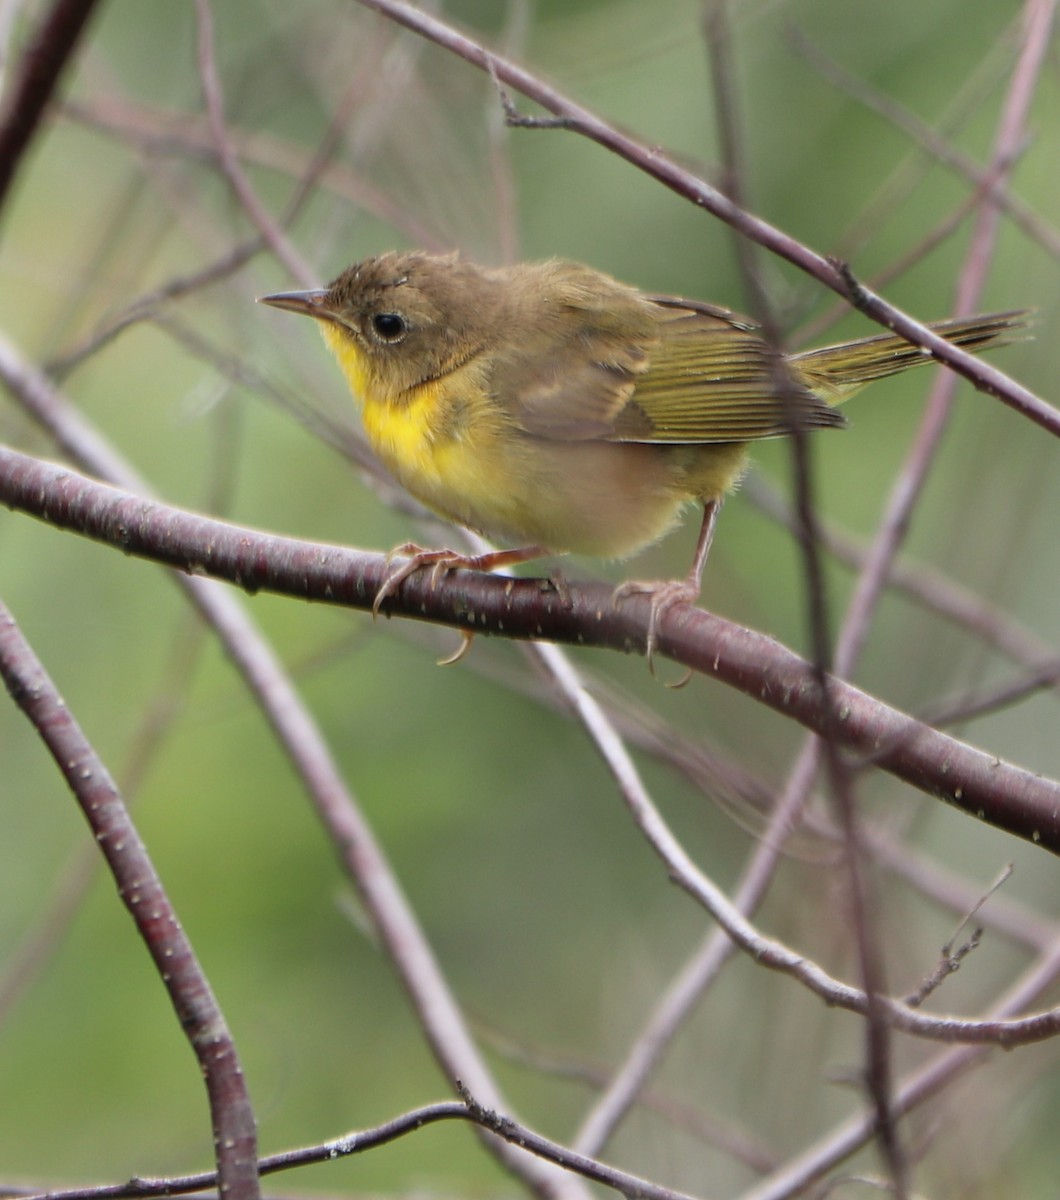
837 372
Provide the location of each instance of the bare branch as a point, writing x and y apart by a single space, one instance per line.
980 784
764 950
142 893
984 179
40 70
919 1085
654 163
359 1141
270 231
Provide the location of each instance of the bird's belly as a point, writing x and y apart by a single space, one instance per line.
602 499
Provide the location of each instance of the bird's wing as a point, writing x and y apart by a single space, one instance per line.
714 380
657 369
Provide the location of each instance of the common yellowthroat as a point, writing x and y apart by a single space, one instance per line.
550 407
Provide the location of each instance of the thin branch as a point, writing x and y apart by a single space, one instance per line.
797 1175
654 163
922 583
970 95
712 1128
700 969
954 710
142 893
145 307
159 131
892 530
26 960
723 58
765 951
631 1186
949 963
911 478
355 1142
748 798
231 167
362 1140
153 729
813 331
984 179
717 32
39 72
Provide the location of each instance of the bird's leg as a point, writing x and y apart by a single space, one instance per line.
441 561
667 593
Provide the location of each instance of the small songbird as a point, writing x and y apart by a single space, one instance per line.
554 409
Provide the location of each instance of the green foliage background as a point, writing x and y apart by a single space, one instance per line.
556 926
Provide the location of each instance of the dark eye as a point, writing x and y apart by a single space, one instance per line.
389 327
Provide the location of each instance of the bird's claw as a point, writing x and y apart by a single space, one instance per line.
466 638
664 595
416 557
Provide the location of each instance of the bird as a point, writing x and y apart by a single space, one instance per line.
554 409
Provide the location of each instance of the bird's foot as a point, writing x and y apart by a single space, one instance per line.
664 594
440 561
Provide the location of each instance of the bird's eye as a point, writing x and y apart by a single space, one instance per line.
389 327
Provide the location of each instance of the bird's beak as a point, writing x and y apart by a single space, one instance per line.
312 303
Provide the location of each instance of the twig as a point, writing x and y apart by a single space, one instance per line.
951 959
259 215
361 1140
631 1186
695 976
959 709
912 477
765 951
984 179
862 918
145 307
747 798
711 1128
925 584
25 961
652 162
158 131
949 963
797 1175
913 256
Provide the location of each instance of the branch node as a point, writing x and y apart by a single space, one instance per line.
857 293
513 118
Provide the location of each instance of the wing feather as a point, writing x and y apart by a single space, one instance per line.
620 366
710 381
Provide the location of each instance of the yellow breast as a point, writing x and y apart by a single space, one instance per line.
441 439
399 428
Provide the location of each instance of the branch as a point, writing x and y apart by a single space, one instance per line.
985 179
40 70
143 894
268 229
765 951
358 1141
653 162
978 783
921 1083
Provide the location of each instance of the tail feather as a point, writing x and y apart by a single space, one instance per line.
837 372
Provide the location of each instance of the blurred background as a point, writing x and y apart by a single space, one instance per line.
554 923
